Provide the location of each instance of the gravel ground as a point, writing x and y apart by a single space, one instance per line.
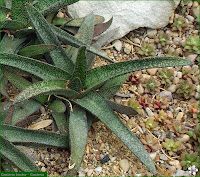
164 113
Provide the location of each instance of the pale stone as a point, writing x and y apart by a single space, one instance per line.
190 18
192 57
127 48
179 74
127 15
140 89
153 155
149 112
172 88
179 116
43 169
152 71
163 157
118 45
136 40
98 169
166 94
184 138
176 80
124 164
176 164
89 173
57 156
151 33
195 11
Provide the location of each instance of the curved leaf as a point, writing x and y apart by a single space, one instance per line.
104 73
12 25
45 88
34 138
38 68
45 33
33 50
78 131
71 40
24 33
15 156
57 106
96 105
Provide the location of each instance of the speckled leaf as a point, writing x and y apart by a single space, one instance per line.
18 11
24 33
78 130
45 33
75 84
34 138
45 6
24 110
12 25
97 106
4 82
104 73
80 66
57 106
109 92
16 157
33 50
38 68
44 88
9 44
61 122
71 40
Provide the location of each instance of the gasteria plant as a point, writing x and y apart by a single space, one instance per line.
78 93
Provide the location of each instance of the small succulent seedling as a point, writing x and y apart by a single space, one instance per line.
172 146
153 143
151 123
135 104
146 50
161 102
166 75
146 101
136 77
179 24
179 127
132 125
152 85
162 116
186 89
191 44
188 160
162 39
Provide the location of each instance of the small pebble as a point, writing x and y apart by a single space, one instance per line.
179 74
57 156
136 41
177 40
184 138
118 45
127 48
172 88
176 164
170 135
176 80
181 173
170 115
149 112
151 33
195 11
153 155
112 159
98 169
166 94
179 116
190 18
153 71
105 159
124 164
89 173
163 157
43 169
192 57
172 169
140 89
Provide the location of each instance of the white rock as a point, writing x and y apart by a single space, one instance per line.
184 138
195 4
179 74
124 164
153 155
151 33
166 94
163 157
152 71
140 89
112 159
179 116
136 40
176 80
195 11
98 169
118 45
149 112
172 88
190 18
192 57
181 173
127 15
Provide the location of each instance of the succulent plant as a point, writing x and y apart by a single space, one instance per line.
135 104
136 77
166 75
153 142
77 92
151 123
162 39
146 101
186 89
179 24
188 160
194 134
152 85
161 102
192 73
172 146
179 127
172 53
146 50
191 44
162 116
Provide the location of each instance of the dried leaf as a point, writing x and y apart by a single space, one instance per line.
41 124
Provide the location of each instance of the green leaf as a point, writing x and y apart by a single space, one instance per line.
101 74
57 106
75 84
45 88
78 131
18 11
24 110
38 68
71 40
46 7
9 44
15 156
80 67
45 33
24 33
33 138
61 122
97 106
12 25
33 50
